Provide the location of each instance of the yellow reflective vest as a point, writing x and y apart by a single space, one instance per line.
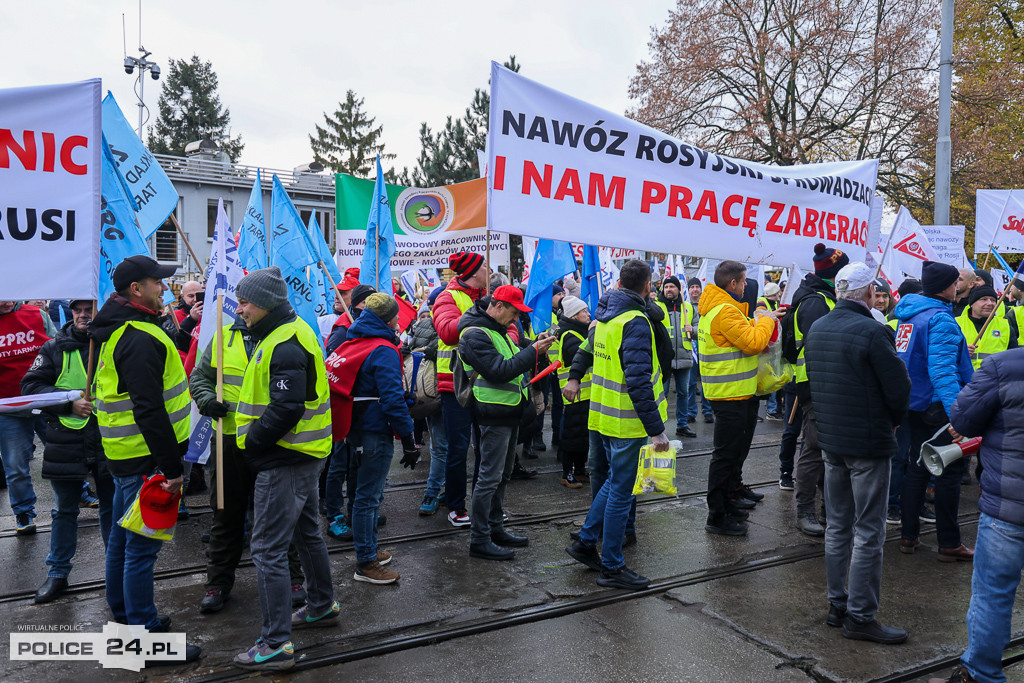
445 352
563 372
510 393
801 363
996 339
235 360
72 377
311 435
685 318
611 409
726 372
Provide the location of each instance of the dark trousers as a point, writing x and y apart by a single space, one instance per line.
734 430
947 486
791 432
552 397
458 423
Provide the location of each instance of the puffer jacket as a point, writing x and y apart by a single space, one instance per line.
809 304
859 386
731 327
992 406
424 337
946 350
380 375
69 453
575 433
680 312
477 349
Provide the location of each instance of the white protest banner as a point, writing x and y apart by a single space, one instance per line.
563 169
999 221
50 191
529 251
909 247
948 243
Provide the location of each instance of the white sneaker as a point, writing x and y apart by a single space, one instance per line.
458 519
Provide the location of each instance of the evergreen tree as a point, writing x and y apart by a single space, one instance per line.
348 142
189 109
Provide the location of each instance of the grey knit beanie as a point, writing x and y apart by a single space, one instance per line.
264 288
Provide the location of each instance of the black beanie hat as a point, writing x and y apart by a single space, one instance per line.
693 281
936 276
979 292
671 280
359 294
984 275
828 262
909 286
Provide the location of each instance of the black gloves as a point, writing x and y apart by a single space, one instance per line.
410 453
216 409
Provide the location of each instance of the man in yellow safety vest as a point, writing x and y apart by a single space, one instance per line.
1000 335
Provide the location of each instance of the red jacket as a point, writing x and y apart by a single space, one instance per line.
446 321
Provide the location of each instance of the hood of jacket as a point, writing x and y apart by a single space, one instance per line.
619 301
912 304
812 284
477 317
369 324
714 295
566 324
116 312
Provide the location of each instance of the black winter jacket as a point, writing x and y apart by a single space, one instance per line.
477 349
424 336
139 361
292 383
860 387
810 297
69 453
202 383
575 433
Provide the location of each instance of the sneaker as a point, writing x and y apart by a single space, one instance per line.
429 505
808 523
623 578
214 600
586 554
773 417
745 491
373 572
26 524
836 615
894 516
458 518
929 494
262 656
520 472
960 675
927 515
726 526
383 556
382 520
298 594
183 512
339 529
301 618
569 481
786 482
89 501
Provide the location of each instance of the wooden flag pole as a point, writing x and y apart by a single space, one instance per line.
885 252
987 257
219 341
337 293
991 315
184 239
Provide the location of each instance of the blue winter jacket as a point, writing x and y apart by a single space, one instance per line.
992 407
940 357
380 375
637 360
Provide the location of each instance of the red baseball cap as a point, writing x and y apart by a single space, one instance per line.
350 280
511 295
159 508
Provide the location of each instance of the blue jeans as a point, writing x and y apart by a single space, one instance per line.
438 454
130 559
64 531
791 430
599 472
378 450
339 472
898 463
771 403
682 379
609 512
691 396
458 424
16 434
998 561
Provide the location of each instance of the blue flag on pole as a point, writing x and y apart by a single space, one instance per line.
119 234
552 261
590 288
323 295
147 184
1010 273
375 268
252 234
291 250
316 235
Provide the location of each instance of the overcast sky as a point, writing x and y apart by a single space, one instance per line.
281 65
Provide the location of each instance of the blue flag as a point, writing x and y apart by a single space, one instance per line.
252 234
119 234
375 268
291 251
323 295
147 184
590 288
1010 273
316 235
551 262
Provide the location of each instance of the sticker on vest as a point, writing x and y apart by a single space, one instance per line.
259 356
996 333
903 333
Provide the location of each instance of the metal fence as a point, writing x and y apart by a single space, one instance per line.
242 176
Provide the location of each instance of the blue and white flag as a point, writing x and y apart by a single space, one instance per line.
609 271
222 276
252 234
590 288
410 279
148 185
119 234
375 268
552 261
292 251
323 295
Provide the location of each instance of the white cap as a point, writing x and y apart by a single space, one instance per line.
572 305
771 289
854 276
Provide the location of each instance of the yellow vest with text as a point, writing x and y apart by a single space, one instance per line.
122 439
510 393
311 435
235 360
445 352
72 377
996 339
611 409
801 363
726 372
563 372
686 318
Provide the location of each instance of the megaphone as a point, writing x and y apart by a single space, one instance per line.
936 458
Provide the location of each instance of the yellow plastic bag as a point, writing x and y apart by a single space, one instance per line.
773 372
132 521
656 472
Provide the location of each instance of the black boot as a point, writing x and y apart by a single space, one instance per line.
51 590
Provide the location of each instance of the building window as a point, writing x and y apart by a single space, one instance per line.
166 241
325 219
211 215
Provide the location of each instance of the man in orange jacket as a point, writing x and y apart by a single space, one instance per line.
729 345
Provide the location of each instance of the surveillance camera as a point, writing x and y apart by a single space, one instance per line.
129 65
154 71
